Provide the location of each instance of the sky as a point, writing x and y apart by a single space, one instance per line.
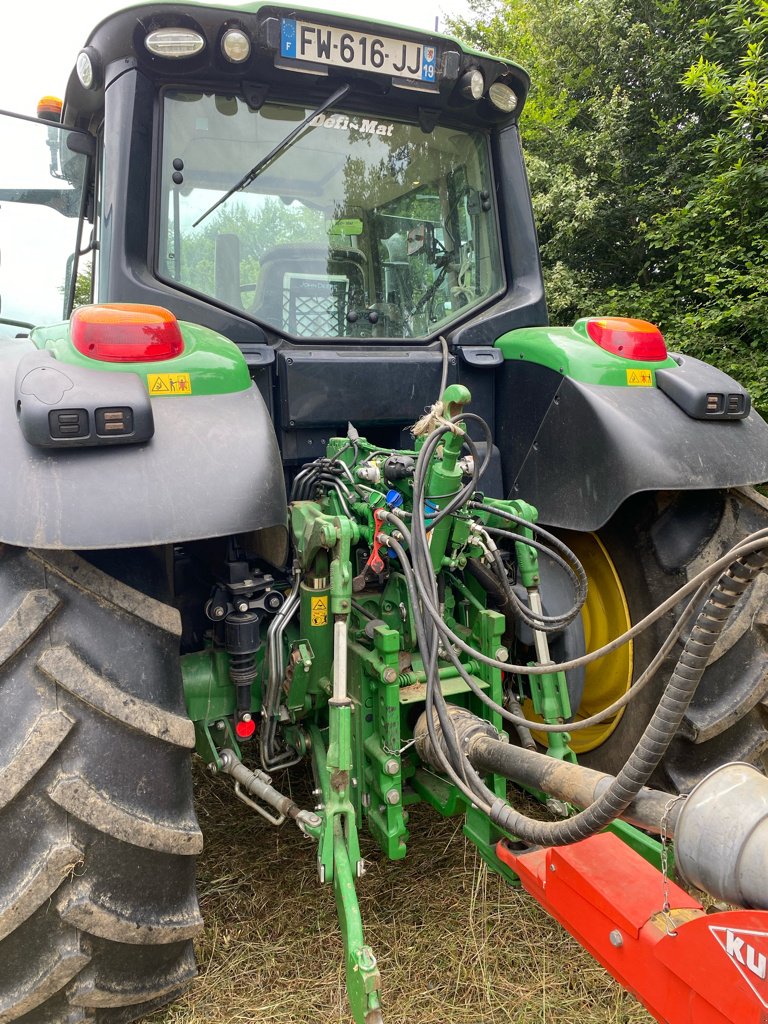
39 44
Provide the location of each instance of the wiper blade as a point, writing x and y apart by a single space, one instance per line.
256 170
16 323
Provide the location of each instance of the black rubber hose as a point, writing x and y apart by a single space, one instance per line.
755 542
578 581
491 583
661 729
467 490
544 623
576 576
425 593
664 723
458 769
570 782
552 540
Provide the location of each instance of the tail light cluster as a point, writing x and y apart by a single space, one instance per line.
126 333
632 339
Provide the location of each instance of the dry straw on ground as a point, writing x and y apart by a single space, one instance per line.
454 943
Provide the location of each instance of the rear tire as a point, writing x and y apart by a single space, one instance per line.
97 828
657 542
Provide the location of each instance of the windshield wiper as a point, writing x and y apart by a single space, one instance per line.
256 170
16 323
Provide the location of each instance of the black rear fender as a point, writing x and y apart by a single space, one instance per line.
212 468
577 451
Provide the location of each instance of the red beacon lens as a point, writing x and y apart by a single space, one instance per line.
632 339
123 332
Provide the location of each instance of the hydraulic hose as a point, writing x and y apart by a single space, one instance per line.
754 542
700 586
448 754
741 566
661 729
572 783
544 623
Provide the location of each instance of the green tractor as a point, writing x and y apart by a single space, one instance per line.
304 475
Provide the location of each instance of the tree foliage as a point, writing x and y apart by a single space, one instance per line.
84 285
646 138
259 225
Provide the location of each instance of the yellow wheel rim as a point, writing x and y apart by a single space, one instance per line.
605 616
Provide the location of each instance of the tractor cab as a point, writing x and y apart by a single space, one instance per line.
245 508
330 194
361 229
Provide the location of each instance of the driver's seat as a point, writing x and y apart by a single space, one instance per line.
305 289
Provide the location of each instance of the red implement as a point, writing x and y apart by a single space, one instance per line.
686 967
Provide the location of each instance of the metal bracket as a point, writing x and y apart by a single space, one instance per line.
273 819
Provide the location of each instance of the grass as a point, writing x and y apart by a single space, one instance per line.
454 942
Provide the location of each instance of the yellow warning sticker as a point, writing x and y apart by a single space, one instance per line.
640 378
319 611
169 384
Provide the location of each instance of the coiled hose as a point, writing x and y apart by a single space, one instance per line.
748 559
661 729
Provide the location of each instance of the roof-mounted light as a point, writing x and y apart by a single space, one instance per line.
123 332
174 42
631 339
49 108
88 68
472 84
235 45
84 69
502 97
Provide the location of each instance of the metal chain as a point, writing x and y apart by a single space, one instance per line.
397 753
664 837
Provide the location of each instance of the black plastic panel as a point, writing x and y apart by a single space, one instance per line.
63 406
597 445
702 391
323 387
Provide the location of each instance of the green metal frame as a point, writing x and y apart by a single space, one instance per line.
360 735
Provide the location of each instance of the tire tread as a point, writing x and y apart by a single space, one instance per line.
38 746
97 826
64 668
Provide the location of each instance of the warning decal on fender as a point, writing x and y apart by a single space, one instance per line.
748 952
640 378
159 384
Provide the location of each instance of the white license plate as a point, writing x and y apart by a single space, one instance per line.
347 48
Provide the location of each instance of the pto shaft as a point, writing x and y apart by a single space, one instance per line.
570 782
720 828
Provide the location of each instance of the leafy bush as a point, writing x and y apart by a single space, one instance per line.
646 136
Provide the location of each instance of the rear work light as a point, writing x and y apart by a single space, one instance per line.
174 42
126 333
235 45
632 339
502 97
